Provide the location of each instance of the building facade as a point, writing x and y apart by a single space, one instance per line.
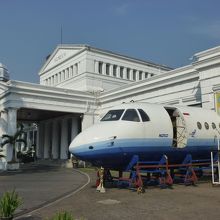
78 83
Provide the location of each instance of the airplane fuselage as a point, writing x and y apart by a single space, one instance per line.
149 131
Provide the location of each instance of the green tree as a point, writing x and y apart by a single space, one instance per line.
13 139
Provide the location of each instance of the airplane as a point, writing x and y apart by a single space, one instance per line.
149 131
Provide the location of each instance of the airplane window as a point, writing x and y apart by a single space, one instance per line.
213 125
143 114
113 115
131 115
206 125
199 125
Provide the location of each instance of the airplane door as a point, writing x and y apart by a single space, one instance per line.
180 130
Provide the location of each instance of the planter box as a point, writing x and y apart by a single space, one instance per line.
13 166
6 218
3 165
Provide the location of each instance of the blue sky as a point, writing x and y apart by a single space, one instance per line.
167 32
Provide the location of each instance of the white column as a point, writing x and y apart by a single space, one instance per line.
131 74
96 66
46 140
88 120
74 128
12 121
103 68
64 139
111 70
141 74
79 68
3 123
118 72
124 73
40 140
59 77
137 75
148 75
71 72
12 128
4 130
55 140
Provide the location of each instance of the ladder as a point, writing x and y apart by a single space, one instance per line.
215 163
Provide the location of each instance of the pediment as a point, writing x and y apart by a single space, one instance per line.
59 56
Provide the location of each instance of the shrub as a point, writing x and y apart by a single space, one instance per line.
9 202
63 215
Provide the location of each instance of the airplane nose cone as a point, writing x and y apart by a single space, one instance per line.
87 141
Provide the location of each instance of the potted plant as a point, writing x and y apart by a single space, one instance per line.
9 202
12 140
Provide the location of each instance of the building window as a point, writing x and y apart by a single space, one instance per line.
100 67
128 73
121 72
114 70
107 68
146 75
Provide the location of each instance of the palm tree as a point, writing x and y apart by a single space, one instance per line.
1 154
13 139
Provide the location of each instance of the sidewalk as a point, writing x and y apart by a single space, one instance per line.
40 184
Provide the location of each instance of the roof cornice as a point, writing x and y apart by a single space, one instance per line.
84 47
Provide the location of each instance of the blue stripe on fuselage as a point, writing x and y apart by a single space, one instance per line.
117 153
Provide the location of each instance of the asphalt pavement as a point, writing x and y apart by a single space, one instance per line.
39 185
47 190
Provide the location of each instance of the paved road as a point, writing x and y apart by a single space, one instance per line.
180 203
38 185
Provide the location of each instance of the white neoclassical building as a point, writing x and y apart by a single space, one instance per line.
79 82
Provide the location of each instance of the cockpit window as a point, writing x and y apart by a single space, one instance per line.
131 115
113 115
144 115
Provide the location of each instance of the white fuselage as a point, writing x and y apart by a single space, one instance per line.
147 130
